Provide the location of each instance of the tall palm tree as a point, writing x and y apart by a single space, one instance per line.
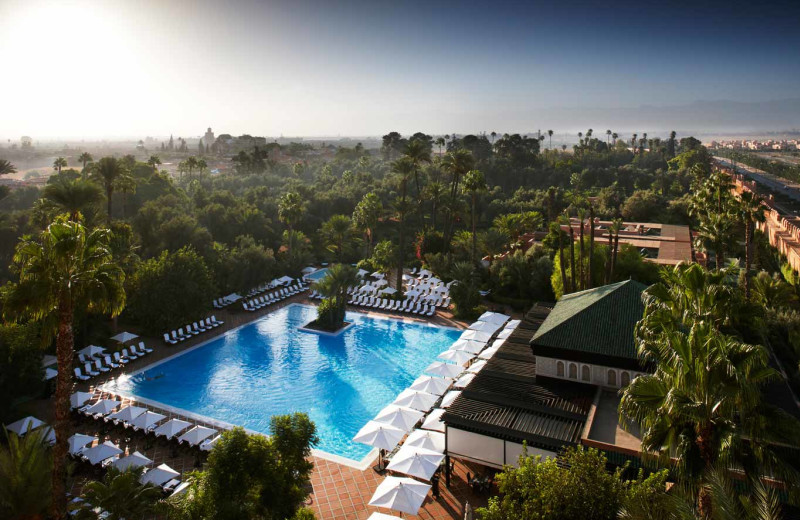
366 216
750 210
715 233
404 168
110 173
334 287
550 135
614 136
26 465
67 268
590 276
440 142
73 197
633 142
573 273
434 191
154 161
6 167
59 163
582 217
493 242
290 209
417 152
85 158
474 183
457 163
120 494
555 227
608 135
337 232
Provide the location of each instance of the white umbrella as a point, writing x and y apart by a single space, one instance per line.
378 274
476 367
172 428
464 380
127 414
440 369
382 516
416 462
196 435
78 442
362 273
22 426
503 334
422 401
102 407
309 270
49 373
381 283
400 494
209 444
147 420
48 360
389 290
92 351
434 421
494 317
513 324
285 280
425 272
412 293
428 440
379 435
449 397
433 280
485 326
159 475
124 337
79 399
459 357
134 460
468 345
407 277
399 417
101 452
489 353
432 385
476 335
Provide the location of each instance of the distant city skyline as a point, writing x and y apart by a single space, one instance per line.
82 69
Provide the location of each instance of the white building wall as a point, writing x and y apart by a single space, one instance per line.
585 372
487 450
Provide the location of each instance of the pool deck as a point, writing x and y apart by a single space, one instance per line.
338 491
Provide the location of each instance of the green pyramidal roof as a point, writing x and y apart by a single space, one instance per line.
597 321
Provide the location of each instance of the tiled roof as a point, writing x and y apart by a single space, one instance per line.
597 321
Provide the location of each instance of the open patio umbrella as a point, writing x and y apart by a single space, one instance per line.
489 353
78 442
459 357
494 317
147 420
381 283
513 324
134 460
449 397
485 326
285 280
102 407
50 373
127 414
503 334
379 435
101 452
412 293
434 421
425 439
422 401
79 399
172 428
476 367
124 337
476 335
196 435
399 417
416 462
433 280
159 476
389 290
440 369
22 426
464 380
400 494
209 444
432 385
468 345
362 273
382 516
378 274
92 351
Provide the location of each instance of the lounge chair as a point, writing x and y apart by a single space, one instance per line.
119 359
178 337
144 349
79 375
385 303
169 340
110 363
100 367
215 320
199 328
128 355
88 369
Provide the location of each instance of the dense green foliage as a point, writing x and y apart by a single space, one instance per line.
26 464
20 366
120 495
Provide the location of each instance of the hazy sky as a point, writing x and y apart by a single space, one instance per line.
77 69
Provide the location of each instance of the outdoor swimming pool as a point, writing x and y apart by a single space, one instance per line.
269 367
317 275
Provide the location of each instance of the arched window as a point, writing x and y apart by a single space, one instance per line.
560 369
573 371
586 373
624 379
612 378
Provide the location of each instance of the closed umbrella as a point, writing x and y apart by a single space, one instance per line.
134 460
399 417
147 420
127 414
172 428
196 435
92 351
159 476
22 426
422 401
468 345
437 368
124 337
400 494
79 399
476 335
428 440
464 380
459 357
449 397
102 407
416 462
432 385
434 421
77 443
101 452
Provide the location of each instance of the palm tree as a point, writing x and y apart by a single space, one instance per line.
6 167
26 465
608 135
440 142
457 163
85 158
582 217
290 209
67 268
434 191
334 287
571 252
110 173
403 167
633 142
474 182
613 245
417 152
714 232
59 163
550 135
750 210
73 197
614 136
591 245
336 231
555 227
154 161
493 242
366 216
120 494
494 135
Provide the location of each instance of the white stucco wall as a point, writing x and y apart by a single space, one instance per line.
598 374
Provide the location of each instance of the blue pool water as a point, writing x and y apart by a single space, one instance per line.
269 367
317 275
